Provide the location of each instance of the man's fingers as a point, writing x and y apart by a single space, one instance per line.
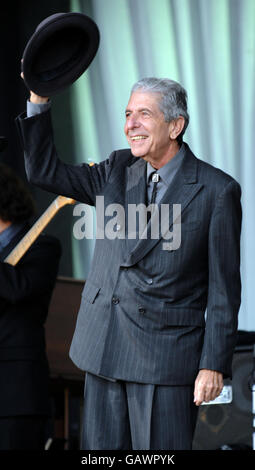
208 392
199 393
208 386
198 399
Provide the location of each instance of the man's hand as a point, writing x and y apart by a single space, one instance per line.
33 97
208 385
38 99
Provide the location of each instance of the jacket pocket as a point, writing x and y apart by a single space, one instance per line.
90 292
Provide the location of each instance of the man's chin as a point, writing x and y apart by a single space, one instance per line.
138 154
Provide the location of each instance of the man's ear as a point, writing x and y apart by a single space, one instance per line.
176 127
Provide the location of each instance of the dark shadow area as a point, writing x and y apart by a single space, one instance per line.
18 21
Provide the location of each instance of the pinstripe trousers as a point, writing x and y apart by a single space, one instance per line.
127 415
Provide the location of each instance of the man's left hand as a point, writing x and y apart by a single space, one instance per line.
208 385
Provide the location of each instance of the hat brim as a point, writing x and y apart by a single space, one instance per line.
58 53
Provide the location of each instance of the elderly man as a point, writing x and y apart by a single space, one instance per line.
141 336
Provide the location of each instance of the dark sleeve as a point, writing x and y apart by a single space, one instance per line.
224 283
35 274
43 167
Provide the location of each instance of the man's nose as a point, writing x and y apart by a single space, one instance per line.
133 122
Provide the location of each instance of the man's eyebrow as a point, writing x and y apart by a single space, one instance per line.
139 109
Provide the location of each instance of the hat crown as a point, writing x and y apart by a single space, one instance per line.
60 50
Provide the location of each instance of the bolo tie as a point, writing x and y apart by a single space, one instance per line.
155 179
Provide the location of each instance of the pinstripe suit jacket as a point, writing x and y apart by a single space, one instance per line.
142 313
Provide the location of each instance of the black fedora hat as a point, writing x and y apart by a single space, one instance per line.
60 50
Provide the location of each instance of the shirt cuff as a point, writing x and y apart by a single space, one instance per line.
34 108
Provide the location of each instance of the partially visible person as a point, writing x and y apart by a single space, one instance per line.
25 293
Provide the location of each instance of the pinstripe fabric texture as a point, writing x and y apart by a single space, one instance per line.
142 312
126 415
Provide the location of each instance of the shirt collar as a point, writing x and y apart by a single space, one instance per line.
8 234
166 171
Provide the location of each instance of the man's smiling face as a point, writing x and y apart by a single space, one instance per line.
145 127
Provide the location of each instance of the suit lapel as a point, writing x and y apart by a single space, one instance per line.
182 190
136 193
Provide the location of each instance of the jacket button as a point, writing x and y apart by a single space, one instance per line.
115 300
141 310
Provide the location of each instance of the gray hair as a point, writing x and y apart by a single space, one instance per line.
173 102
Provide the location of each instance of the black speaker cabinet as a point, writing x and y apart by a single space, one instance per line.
229 424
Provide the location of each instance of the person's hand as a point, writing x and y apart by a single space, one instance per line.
35 98
208 385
